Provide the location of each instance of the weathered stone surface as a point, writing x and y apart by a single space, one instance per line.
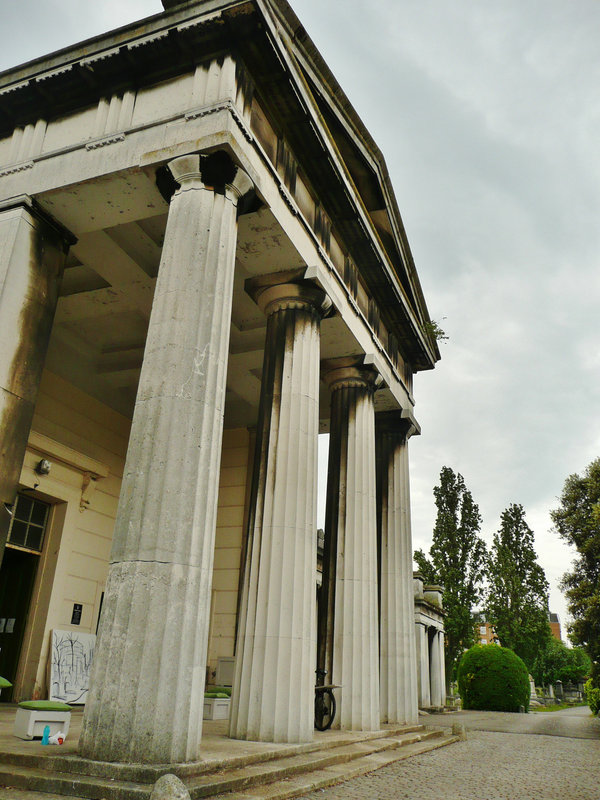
423 666
273 696
398 660
351 523
460 731
32 257
237 769
146 697
169 787
437 695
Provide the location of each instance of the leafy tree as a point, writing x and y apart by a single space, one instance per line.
577 521
456 561
517 597
557 662
580 666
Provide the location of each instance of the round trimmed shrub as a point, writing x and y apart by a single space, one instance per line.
592 695
493 678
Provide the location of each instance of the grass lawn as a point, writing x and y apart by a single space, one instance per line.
558 707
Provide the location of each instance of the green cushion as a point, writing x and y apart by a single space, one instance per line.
4 684
44 705
224 689
211 695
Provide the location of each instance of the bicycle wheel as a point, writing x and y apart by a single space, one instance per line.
324 709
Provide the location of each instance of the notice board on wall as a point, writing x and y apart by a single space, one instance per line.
70 664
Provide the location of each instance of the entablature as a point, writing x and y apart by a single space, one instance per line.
111 74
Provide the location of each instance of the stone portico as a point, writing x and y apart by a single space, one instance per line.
429 625
202 267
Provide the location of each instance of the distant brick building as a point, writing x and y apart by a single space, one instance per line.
555 625
485 634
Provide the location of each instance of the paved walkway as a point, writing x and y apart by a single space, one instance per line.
493 765
576 723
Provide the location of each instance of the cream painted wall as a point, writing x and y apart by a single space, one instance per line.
81 436
233 492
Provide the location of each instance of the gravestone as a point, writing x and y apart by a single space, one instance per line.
533 692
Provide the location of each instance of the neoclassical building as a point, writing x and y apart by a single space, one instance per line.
429 629
203 266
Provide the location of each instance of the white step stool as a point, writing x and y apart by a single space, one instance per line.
216 707
33 716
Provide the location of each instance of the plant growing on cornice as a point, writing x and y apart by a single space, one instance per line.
432 329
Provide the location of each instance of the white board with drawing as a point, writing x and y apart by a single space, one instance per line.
70 665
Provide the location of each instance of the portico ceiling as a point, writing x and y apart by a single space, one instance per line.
103 312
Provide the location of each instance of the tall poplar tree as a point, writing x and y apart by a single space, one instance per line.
517 596
577 521
456 561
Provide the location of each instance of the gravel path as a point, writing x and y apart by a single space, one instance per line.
488 766
575 723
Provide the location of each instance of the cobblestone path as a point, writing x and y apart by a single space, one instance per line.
488 766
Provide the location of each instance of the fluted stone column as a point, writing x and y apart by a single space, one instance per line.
435 669
352 525
273 695
32 257
423 665
442 659
147 685
398 662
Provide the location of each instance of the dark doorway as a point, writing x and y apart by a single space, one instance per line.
17 578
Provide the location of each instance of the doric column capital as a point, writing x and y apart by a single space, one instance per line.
283 296
360 377
214 172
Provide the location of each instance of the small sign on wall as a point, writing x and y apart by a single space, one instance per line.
76 615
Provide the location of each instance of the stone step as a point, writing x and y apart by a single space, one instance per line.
282 769
62 784
6 793
300 785
141 773
274 777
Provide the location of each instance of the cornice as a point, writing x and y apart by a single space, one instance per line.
135 56
173 42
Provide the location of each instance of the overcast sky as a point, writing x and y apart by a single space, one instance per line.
488 114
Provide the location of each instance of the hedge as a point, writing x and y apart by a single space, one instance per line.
592 695
493 678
